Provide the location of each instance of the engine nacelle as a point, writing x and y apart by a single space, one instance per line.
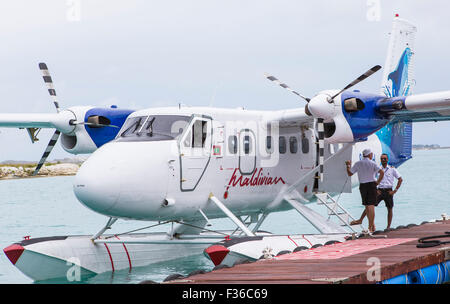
90 127
356 116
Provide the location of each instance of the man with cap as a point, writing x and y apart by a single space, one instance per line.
385 191
366 169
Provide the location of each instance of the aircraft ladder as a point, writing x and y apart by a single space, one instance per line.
335 209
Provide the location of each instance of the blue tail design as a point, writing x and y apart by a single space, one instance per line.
396 137
399 77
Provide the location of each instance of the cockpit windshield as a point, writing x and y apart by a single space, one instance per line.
153 128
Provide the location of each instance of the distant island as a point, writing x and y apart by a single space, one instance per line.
11 169
428 147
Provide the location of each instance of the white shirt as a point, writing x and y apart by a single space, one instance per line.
389 174
366 170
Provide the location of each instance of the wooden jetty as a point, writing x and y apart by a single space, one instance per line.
352 262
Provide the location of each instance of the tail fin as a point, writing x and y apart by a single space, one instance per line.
398 69
396 137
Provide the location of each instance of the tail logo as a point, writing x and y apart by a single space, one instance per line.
399 82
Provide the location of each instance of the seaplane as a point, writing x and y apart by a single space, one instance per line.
185 166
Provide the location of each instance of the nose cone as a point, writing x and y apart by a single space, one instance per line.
320 107
124 179
96 184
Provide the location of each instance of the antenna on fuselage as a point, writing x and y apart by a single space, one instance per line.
213 97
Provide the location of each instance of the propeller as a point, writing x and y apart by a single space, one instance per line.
320 106
367 74
93 121
283 85
49 149
48 81
320 125
51 90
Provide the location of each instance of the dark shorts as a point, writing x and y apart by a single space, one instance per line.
386 197
368 193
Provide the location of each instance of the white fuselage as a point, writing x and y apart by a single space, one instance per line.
224 152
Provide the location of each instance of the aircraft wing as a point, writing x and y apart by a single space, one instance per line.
419 108
290 117
83 128
27 120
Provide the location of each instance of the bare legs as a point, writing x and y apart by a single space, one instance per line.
359 222
389 218
390 214
370 211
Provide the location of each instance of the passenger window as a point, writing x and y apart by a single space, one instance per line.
282 145
232 144
247 144
269 144
305 145
196 136
293 144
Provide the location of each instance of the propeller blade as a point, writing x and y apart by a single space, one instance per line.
48 81
49 148
358 80
321 133
283 85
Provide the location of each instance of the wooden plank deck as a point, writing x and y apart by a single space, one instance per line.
303 268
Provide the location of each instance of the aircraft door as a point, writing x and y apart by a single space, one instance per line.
195 152
247 151
307 150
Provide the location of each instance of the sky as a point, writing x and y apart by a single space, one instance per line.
140 54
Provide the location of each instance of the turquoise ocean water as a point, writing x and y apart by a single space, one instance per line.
47 207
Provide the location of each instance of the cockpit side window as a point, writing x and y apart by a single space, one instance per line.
199 129
196 136
153 128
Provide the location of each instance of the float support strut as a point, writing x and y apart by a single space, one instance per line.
230 215
108 225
